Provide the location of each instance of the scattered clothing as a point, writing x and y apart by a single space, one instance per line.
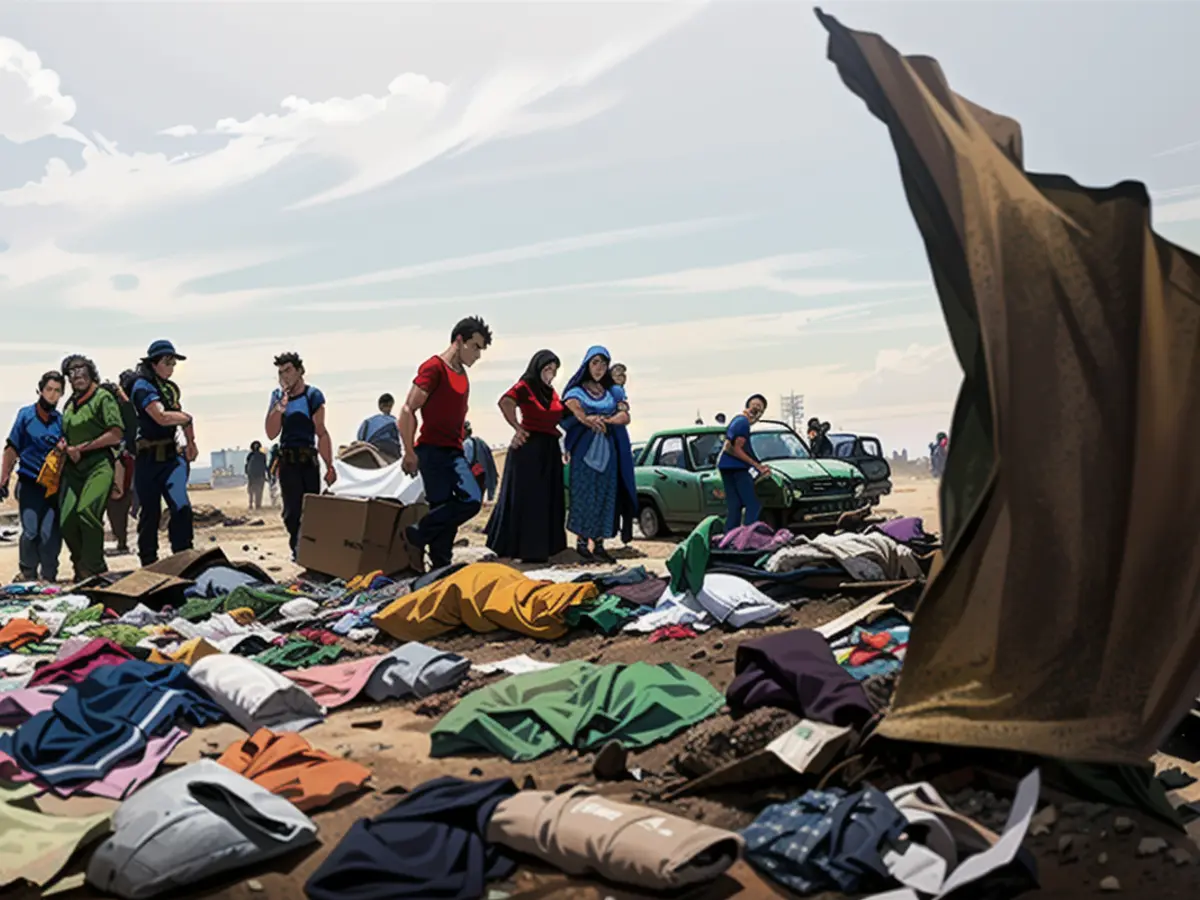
34 847
672 633
24 703
107 718
576 704
412 670
484 597
298 653
826 841
795 670
759 536
514 665
607 615
432 845
578 833
866 557
219 581
875 649
689 560
289 767
254 696
16 633
192 824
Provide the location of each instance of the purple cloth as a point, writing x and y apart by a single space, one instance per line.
75 668
904 531
759 536
645 593
796 671
19 705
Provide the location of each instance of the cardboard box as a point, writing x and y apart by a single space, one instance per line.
349 536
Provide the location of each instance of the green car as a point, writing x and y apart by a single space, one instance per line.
678 484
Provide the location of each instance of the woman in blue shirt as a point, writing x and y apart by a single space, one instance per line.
737 459
34 434
601 476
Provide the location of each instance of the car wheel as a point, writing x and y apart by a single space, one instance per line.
650 522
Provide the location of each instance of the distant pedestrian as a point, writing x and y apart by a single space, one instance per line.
256 474
482 463
381 430
937 454
34 435
528 522
819 444
626 508
92 430
737 458
161 472
440 393
720 418
297 417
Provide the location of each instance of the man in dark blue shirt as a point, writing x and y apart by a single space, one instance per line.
736 460
160 473
297 417
34 434
381 431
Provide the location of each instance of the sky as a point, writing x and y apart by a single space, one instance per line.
689 185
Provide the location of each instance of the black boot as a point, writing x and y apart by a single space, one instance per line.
603 555
581 547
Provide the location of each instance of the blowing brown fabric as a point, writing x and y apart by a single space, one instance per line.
1065 619
579 832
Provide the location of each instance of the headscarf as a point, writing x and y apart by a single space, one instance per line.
533 376
581 374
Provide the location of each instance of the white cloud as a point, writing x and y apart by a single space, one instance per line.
1182 148
1183 205
31 103
383 137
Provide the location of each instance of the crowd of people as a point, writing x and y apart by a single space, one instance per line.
125 449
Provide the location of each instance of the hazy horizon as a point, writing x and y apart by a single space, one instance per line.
689 185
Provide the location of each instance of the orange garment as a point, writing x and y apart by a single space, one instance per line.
243 615
362 582
289 766
187 653
51 471
19 632
485 597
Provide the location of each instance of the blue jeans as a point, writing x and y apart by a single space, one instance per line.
739 497
41 540
154 483
453 496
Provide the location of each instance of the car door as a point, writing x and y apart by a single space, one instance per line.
677 485
704 450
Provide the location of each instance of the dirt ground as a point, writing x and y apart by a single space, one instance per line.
393 741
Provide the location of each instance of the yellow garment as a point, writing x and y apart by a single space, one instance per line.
34 846
51 472
243 615
187 653
362 582
485 597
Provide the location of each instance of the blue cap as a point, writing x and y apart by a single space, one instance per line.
163 348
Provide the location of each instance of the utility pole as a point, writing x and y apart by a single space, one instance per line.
792 406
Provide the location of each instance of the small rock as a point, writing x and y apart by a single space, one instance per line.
611 763
700 654
719 645
529 784
255 885
1179 856
595 657
1151 846
1109 884
476 772
245 548
1067 851
1122 825
1102 859
1043 821
546 652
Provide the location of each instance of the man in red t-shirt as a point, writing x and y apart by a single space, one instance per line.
440 392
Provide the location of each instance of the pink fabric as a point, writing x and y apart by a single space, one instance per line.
19 705
119 783
759 536
72 670
336 685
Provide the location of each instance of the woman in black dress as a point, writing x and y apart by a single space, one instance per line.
528 522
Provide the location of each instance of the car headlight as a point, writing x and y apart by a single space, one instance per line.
787 494
860 489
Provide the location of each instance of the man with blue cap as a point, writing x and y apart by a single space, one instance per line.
160 472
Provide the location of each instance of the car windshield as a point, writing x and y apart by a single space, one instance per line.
769 445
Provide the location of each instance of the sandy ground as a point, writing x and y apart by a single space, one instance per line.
393 741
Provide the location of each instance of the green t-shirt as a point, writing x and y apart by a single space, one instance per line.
91 419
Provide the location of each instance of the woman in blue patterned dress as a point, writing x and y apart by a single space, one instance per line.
597 477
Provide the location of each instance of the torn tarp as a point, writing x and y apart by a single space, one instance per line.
1065 620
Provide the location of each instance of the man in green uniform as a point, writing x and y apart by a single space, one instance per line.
92 428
